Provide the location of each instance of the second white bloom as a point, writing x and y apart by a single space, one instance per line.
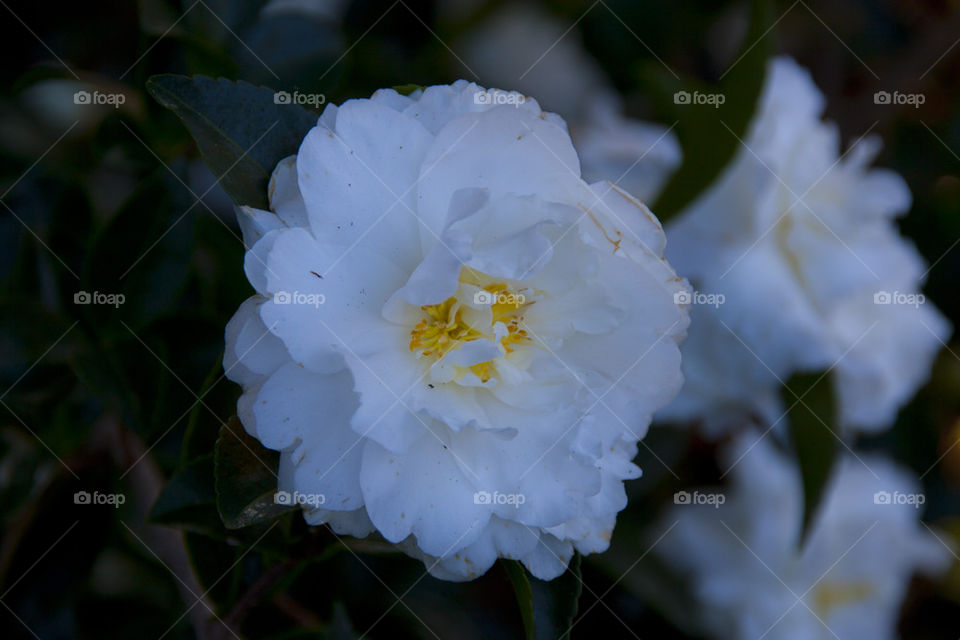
802 245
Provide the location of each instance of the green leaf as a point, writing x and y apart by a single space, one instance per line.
246 479
200 436
547 607
188 495
710 136
523 591
240 129
407 89
341 628
215 565
814 431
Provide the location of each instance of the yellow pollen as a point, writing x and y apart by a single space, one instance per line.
832 595
443 327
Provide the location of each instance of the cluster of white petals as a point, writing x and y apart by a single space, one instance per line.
455 340
751 578
800 242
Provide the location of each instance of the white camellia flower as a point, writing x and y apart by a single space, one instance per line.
455 340
801 243
749 579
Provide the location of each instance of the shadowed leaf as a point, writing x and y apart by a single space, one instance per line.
246 478
241 129
547 607
811 422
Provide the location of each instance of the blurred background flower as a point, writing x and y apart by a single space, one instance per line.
749 574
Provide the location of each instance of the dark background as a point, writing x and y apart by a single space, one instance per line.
97 398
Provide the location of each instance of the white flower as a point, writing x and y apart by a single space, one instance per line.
455 340
638 156
537 53
802 244
749 579
328 10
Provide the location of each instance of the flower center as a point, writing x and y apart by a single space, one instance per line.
496 314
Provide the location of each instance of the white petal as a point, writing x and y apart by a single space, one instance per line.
549 559
390 98
309 414
501 538
251 351
424 493
535 463
384 376
509 237
284 192
622 217
890 352
255 223
322 303
346 523
437 277
358 182
496 149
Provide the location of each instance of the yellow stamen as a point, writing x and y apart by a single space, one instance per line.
829 596
443 327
